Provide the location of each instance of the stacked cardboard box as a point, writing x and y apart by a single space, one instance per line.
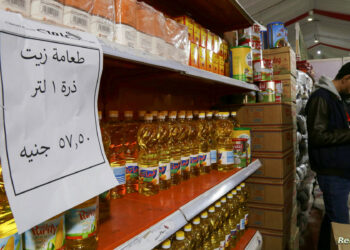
272 191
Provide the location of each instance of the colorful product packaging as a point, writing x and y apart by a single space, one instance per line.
197 33
102 19
11 242
194 55
76 14
125 22
48 10
277 35
267 91
204 36
202 58
244 133
215 63
187 21
209 59
279 91
221 65
241 64
210 40
240 152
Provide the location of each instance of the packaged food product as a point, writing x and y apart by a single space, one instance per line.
202 58
262 70
209 59
145 25
102 19
47 10
187 21
158 39
182 45
244 133
277 35
249 37
76 14
279 91
217 43
257 54
250 97
210 40
125 22
240 152
224 129
197 33
241 63
22 6
215 63
204 36
194 58
264 40
221 65
267 91
171 27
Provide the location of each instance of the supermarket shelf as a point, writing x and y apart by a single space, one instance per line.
191 209
251 240
139 222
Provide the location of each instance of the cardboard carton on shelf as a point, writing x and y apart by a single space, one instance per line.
271 191
265 114
340 236
284 61
275 165
273 239
289 84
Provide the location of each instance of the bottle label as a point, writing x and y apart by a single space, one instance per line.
225 157
185 164
194 161
149 175
213 156
222 245
204 159
242 227
175 168
12 242
164 171
234 232
105 195
81 223
227 239
246 219
132 171
238 227
119 173
48 235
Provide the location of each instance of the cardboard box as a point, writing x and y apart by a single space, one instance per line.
265 114
340 236
273 240
271 191
289 87
270 139
284 61
275 165
269 217
232 38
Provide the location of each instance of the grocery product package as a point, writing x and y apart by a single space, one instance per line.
102 19
125 22
19 6
76 14
145 20
158 42
47 10
177 41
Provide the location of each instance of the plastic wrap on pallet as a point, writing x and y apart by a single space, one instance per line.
102 19
301 120
300 173
76 14
299 105
125 22
299 137
22 7
47 10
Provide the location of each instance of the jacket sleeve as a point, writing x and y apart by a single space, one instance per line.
317 125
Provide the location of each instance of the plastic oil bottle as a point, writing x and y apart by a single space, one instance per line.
166 244
219 213
204 151
181 243
141 116
81 225
213 219
224 208
197 231
234 120
227 232
205 226
224 130
185 145
194 142
243 206
163 152
117 153
212 140
190 236
131 152
238 214
148 159
232 219
9 238
175 149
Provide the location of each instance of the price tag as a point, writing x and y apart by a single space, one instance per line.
51 149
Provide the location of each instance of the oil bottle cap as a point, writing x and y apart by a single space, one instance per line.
195 112
234 192
211 209
196 221
242 184
188 228
223 200
100 115
180 235
155 113
229 196
189 115
113 113
239 188
182 114
142 113
202 115
148 117
233 113
161 116
209 114
128 114
218 204
166 244
165 112
225 114
204 215
173 114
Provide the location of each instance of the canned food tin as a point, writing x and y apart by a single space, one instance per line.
240 152
267 91
277 35
250 97
241 63
261 71
279 91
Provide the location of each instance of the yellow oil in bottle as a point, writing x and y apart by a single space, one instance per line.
81 226
154 114
234 120
190 236
196 227
224 208
185 130
9 238
204 151
242 210
194 144
205 226
244 191
148 157
227 232
207 245
213 219
163 152
224 131
175 149
219 213
245 208
117 153
131 152
214 239
212 140
141 116
181 243
232 219
238 215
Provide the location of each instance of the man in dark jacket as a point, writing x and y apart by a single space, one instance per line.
329 148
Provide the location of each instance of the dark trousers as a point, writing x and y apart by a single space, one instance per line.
335 191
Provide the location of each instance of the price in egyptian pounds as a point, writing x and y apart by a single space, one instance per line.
72 141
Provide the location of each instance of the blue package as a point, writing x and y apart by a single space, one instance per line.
277 35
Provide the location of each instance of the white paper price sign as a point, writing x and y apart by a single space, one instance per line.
51 150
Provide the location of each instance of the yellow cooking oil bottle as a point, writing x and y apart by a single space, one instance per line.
81 225
219 213
131 152
9 237
243 206
190 235
141 116
244 191
194 142
163 152
154 114
234 120
224 131
197 231
213 219
181 243
238 215
212 140
117 153
227 232
175 149
204 151
224 208
148 158
232 220
185 145
166 245
50 234
205 226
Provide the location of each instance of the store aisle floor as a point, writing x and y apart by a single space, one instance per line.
310 237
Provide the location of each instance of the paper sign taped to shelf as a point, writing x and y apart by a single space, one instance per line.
51 149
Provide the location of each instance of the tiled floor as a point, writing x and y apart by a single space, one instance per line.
311 233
